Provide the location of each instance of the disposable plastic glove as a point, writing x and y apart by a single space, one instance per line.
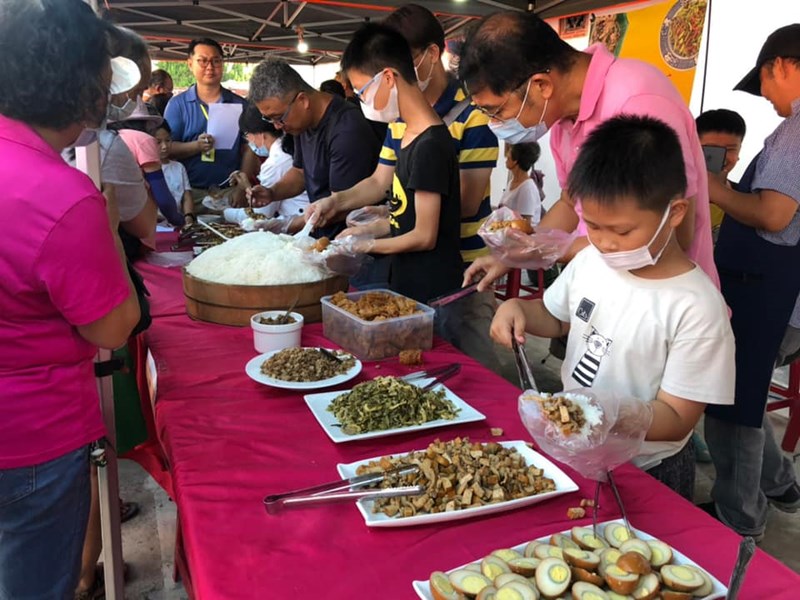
614 439
367 215
515 248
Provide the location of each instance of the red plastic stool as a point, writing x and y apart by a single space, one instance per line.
789 398
513 287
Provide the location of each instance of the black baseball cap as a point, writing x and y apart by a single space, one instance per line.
781 43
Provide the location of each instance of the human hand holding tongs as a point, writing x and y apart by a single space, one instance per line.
344 490
528 383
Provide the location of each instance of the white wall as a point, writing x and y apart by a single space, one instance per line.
738 29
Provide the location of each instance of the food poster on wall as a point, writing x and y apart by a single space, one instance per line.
666 34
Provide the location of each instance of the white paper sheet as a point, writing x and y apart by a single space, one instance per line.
223 124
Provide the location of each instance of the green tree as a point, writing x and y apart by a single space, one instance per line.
235 72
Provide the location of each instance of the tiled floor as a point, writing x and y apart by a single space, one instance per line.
149 538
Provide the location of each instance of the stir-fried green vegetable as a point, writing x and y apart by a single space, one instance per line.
387 403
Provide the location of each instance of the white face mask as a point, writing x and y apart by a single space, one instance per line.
119 113
387 114
423 83
514 132
630 260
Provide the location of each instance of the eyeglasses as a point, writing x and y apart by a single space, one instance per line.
493 115
282 119
204 62
360 92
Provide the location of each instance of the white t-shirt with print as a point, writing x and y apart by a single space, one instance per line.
524 199
177 179
631 336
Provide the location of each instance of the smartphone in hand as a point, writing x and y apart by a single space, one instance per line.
715 158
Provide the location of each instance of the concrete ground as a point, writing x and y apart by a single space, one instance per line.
148 540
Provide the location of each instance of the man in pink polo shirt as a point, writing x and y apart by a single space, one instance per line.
528 80
65 291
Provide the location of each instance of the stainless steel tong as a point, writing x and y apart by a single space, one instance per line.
523 366
617 497
343 490
439 375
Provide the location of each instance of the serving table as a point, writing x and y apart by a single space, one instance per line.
228 441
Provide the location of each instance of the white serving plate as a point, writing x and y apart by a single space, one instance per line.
253 370
563 484
719 591
318 403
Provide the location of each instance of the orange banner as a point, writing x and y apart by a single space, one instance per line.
667 35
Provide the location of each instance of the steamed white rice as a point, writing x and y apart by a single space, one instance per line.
258 258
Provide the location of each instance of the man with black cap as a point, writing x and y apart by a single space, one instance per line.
757 256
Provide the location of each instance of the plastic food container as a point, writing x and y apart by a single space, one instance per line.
373 340
267 338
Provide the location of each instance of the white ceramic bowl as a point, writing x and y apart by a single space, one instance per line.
267 338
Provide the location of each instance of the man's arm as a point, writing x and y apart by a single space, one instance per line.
366 192
767 209
473 190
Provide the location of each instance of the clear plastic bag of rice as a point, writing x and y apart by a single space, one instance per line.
591 432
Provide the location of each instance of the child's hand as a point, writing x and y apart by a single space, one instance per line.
509 320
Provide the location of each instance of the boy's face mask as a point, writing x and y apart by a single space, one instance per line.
387 114
423 83
261 151
630 260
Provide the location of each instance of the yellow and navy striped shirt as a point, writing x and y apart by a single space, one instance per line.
476 147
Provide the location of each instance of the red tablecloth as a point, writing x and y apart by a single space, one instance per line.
230 441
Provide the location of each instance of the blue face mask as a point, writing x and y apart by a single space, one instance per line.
514 132
261 151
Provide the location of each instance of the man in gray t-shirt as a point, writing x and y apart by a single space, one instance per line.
757 256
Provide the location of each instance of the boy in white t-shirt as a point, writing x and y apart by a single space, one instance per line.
175 174
643 320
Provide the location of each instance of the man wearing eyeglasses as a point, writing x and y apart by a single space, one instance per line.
529 81
187 115
335 147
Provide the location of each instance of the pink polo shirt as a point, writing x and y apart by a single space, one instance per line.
626 86
59 269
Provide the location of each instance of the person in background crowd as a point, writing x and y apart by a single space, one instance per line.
175 174
65 290
160 90
136 126
653 328
334 146
726 129
187 115
332 87
528 81
757 254
522 194
276 148
349 94
421 232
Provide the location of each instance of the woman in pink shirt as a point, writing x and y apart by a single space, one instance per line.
529 81
65 290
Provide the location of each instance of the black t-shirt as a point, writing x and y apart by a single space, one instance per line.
427 164
341 151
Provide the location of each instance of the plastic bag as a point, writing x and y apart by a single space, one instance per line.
367 215
276 225
344 256
614 439
518 249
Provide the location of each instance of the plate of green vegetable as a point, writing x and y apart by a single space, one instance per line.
387 406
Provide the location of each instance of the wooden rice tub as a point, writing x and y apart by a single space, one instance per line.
235 304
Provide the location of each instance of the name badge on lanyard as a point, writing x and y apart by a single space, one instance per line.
207 156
